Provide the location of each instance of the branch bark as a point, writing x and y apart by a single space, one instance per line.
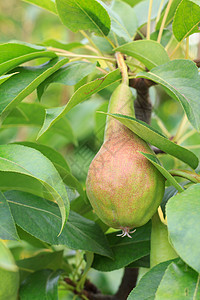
128 283
142 104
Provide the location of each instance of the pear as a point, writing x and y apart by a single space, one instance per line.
123 187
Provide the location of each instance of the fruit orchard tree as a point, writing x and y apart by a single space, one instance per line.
99 148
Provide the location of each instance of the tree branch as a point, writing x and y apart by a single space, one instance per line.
92 293
142 104
128 283
197 62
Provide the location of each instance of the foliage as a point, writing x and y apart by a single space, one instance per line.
54 91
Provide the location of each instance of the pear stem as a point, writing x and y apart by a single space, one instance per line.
123 67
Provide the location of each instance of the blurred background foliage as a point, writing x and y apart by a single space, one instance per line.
22 21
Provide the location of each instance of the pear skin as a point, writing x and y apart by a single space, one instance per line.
124 188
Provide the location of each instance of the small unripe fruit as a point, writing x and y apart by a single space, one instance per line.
124 188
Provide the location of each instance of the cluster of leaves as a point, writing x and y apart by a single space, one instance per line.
38 186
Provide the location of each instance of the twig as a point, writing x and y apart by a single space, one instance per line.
164 20
149 20
123 67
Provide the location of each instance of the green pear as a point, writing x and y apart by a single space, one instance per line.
123 187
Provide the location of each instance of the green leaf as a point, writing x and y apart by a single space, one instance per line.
42 220
33 164
119 23
166 36
43 260
21 85
100 122
84 15
127 18
42 284
186 19
71 74
170 191
170 15
148 285
16 53
131 2
61 166
143 262
154 160
9 274
20 49
32 114
46 4
30 239
82 206
179 282
85 114
150 53
155 138
3 78
181 80
54 156
142 8
196 1
7 225
183 218
83 93
125 250
60 45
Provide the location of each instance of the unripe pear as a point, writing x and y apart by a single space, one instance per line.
123 187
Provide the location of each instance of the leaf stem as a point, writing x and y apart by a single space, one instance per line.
162 127
69 54
149 19
89 258
77 268
91 49
161 216
186 136
187 48
135 65
176 48
123 67
86 60
190 175
115 38
196 288
164 20
91 42
159 12
97 50
110 42
140 34
181 129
